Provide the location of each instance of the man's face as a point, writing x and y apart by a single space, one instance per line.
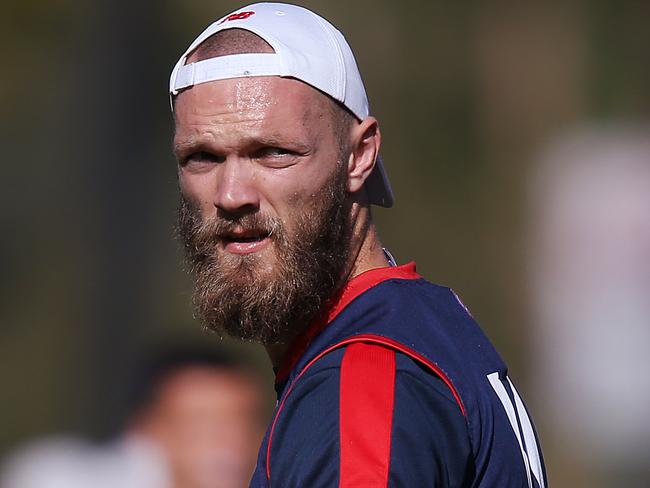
263 216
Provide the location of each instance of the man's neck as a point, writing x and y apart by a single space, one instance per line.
366 253
369 256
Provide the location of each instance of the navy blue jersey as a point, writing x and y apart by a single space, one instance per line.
395 385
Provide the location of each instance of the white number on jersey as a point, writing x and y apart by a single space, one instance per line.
520 423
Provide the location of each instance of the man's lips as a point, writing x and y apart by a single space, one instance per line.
245 242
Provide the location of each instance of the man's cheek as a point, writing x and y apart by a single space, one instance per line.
193 192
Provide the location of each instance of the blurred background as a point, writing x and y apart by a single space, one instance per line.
516 135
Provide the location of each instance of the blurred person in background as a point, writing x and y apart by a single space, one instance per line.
383 378
590 285
195 422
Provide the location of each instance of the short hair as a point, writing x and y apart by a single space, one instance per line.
227 42
241 41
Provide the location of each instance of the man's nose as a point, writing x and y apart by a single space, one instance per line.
236 190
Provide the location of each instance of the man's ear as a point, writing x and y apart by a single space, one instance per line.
366 140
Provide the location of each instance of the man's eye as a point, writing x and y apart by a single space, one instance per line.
201 157
271 152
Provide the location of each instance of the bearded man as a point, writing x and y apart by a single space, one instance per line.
383 378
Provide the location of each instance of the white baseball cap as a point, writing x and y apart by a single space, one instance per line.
307 47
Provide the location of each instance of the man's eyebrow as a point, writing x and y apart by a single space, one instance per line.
182 146
278 141
269 140
253 141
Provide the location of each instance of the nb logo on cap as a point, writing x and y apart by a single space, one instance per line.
238 16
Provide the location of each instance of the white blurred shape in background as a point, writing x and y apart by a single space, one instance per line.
590 284
67 462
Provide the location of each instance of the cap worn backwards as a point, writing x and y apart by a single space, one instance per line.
306 47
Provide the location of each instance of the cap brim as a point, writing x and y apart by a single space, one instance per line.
378 188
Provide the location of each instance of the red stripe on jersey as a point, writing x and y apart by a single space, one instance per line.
361 338
366 415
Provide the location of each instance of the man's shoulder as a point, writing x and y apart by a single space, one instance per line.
417 296
414 379
369 395
427 318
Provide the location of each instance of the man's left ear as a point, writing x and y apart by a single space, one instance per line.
365 148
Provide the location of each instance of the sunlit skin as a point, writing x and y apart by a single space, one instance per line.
267 144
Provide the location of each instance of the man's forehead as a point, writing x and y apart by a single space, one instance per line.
257 97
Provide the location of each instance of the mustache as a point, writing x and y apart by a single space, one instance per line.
203 235
256 223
